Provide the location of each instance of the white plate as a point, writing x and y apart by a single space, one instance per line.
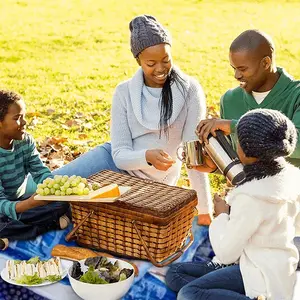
65 266
123 189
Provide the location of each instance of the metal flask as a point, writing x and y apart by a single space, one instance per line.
220 151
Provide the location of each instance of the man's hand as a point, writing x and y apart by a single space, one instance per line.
205 127
159 159
220 206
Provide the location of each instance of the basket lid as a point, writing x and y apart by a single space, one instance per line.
146 196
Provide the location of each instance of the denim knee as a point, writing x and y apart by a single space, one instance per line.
173 278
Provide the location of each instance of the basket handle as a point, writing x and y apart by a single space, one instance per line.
169 259
71 234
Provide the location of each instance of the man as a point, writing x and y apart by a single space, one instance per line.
262 85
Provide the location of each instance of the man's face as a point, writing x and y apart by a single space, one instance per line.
13 125
249 70
156 62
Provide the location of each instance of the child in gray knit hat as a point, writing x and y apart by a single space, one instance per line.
253 241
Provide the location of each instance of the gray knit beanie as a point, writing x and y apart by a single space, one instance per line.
266 134
146 32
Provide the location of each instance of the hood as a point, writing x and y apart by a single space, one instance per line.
280 188
136 84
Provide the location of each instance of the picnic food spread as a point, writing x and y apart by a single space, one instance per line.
76 185
34 271
100 271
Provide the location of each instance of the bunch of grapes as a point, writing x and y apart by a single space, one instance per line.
65 186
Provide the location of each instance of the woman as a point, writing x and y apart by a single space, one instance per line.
153 113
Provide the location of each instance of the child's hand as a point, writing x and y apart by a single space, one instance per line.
220 206
29 204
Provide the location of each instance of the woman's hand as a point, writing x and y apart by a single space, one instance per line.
220 206
159 159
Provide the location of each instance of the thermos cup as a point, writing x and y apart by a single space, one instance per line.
192 153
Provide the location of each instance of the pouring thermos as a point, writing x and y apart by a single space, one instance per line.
220 151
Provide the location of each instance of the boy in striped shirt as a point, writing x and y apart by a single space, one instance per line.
22 217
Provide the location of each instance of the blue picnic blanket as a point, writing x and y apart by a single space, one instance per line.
147 286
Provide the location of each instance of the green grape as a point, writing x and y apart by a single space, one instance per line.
75 190
86 191
69 191
40 191
50 185
67 184
62 193
74 183
57 178
47 180
40 186
52 191
81 185
63 188
84 181
72 177
46 191
95 186
57 193
80 192
56 186
64 178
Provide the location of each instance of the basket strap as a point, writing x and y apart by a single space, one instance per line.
71 234
169 259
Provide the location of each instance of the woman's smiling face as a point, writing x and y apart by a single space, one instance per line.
156 62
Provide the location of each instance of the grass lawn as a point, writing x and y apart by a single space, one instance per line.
66 56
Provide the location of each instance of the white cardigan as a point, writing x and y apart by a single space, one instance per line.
259 232
133 133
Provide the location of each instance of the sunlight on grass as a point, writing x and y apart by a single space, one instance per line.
69 55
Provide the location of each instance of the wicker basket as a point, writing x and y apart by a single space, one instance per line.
151 221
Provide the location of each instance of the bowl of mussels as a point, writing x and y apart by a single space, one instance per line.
101 278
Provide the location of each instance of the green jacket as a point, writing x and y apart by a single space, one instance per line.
284 96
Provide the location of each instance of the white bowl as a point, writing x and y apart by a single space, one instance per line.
110 291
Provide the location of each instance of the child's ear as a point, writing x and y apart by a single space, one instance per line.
267 62
138 61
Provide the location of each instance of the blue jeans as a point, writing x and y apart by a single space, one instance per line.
206 281
91 162
33 222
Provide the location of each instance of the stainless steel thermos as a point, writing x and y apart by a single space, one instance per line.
220 151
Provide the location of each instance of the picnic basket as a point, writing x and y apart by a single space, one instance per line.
151 221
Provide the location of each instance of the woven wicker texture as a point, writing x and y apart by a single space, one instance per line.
147 196
110 226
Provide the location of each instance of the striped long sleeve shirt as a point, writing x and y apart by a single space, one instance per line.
15 165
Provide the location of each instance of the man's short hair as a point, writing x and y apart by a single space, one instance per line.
252 40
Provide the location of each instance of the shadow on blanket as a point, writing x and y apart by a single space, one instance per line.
149 285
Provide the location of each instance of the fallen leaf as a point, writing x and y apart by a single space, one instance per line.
72 123
79 115
82 136
50 111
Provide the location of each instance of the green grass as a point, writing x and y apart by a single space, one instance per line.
68 55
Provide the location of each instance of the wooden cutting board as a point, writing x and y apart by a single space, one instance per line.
85 198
